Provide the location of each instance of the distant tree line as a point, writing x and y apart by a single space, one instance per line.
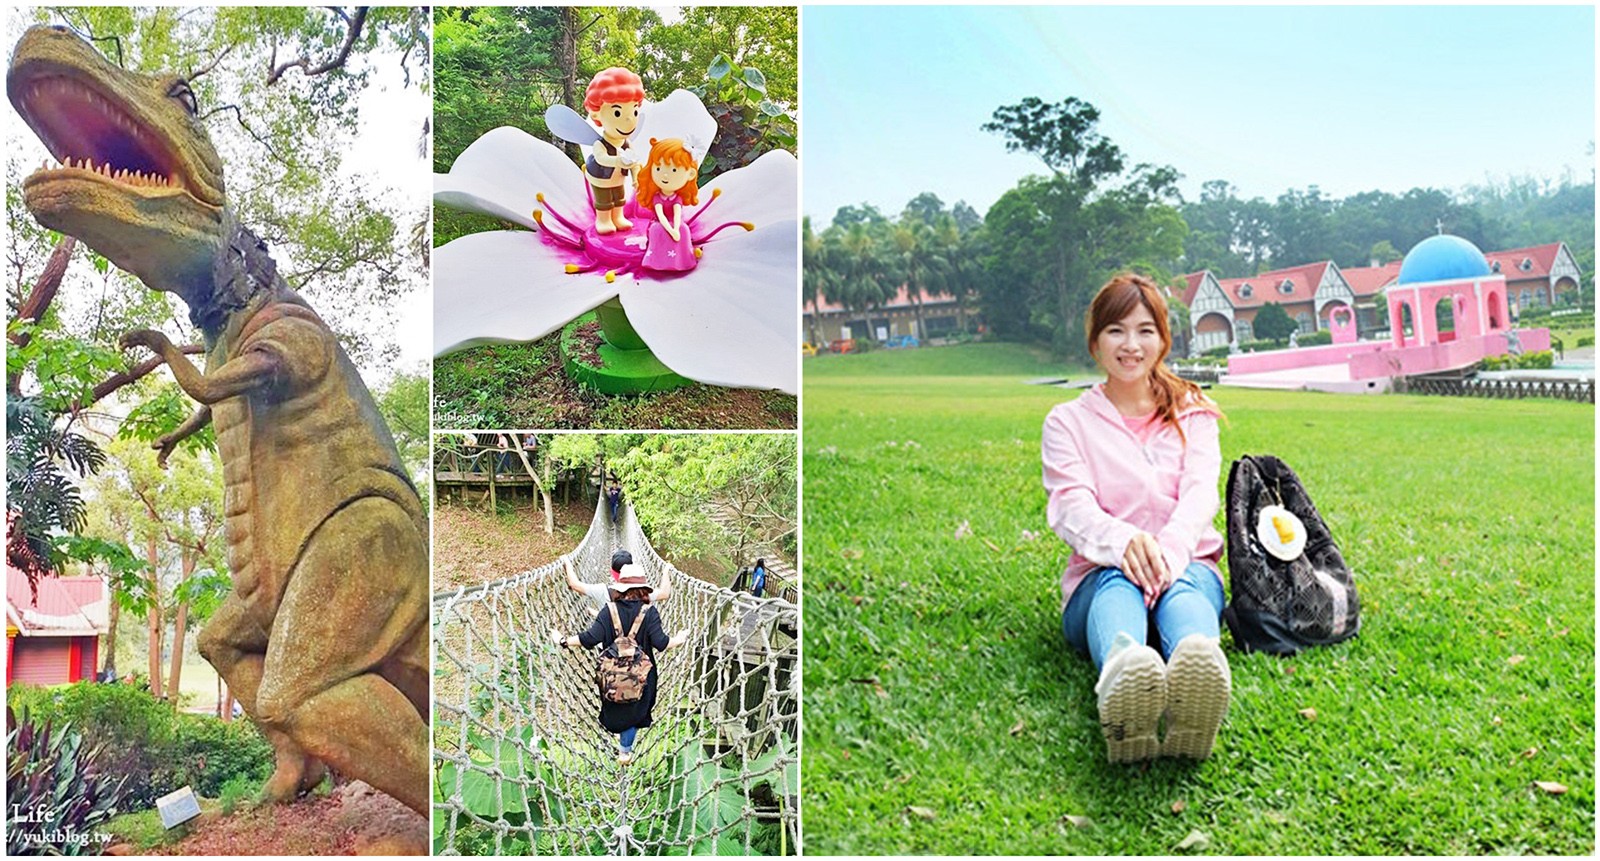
1032 263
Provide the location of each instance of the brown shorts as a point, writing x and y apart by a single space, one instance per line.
605 198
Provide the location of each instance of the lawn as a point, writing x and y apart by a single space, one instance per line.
944 714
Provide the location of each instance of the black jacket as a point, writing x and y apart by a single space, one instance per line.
616 717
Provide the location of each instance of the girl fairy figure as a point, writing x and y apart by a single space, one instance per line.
666 186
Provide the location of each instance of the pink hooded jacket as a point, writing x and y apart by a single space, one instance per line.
1105 486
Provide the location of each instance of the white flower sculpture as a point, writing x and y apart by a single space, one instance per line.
730 321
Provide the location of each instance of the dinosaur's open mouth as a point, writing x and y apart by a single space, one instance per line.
88 132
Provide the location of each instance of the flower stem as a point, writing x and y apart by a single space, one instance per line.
615 327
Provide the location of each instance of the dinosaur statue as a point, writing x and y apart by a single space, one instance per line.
324 637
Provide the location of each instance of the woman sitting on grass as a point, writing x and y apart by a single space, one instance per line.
631 596
1131 467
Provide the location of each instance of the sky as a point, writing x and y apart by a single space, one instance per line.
1349 99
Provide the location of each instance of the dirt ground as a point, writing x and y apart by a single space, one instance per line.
472 546
354 819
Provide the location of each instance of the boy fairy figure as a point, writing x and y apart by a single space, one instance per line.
612 100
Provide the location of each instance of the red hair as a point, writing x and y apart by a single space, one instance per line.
672 152
1116 300
613 85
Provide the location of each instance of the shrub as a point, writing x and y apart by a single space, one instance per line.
1216 352
158 749
214 754
51 770
1586 341
1315 339
136 728
1539 359
237 789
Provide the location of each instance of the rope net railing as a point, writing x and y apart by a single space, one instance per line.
522 765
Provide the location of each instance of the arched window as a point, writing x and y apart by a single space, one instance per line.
1243 331
1307 326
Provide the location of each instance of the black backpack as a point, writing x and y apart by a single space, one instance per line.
1282 606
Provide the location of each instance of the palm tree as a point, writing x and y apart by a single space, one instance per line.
918 256
864 271
818 275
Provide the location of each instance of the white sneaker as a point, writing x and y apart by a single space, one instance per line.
625 758
1198 684
1132 693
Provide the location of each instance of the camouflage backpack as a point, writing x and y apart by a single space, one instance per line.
624 668
1291 587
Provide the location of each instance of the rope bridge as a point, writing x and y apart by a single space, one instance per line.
522 765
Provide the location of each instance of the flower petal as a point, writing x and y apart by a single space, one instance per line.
503 172
505 286
733 320
764 192
680 115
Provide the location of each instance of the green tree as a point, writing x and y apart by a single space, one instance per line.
712 495
403 402
1060 237
1272 323
919 259
175 514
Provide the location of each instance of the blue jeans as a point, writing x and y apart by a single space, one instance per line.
1107 603
628 736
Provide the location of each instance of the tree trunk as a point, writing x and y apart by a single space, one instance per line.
109 666
178 631
39 298
154 620
544 491
494 500
567 61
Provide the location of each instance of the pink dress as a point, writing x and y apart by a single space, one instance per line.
661 253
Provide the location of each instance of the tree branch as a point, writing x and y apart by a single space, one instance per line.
44 289
213 64
338 59
130 376
238 114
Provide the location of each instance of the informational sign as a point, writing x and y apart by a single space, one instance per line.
178 807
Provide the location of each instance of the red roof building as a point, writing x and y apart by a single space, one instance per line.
940 315
1221 309
53 635
1538 276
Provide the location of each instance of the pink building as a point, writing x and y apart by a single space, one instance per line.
1447 308
1222 310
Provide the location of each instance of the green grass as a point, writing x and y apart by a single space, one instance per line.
143 829
526 386
937 677
964 361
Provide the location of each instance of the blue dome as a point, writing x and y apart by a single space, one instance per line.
1442 258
